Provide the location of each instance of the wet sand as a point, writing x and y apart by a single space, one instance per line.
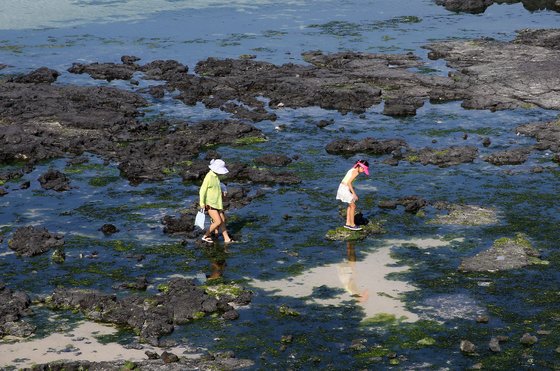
79 343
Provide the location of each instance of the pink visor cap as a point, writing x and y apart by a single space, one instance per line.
366 169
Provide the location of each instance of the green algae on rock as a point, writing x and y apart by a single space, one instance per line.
505 253
470 215
343 234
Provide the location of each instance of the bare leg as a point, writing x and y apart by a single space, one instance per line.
350 211
225 233
216 221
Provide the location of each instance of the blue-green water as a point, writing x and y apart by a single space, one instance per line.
274 247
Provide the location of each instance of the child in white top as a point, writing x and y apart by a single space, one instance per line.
347 194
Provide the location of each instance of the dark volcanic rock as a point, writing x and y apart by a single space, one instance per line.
141 284
505 253
547 134
549 39
106 71
43 121
156 70
217 362
129 59
31 241
184 224
157 91
273 160
367 145
108 229
13 306
42 75
412 204
55 180
509 157
402 106
168 357
479 6
152 317
453 155
253 114
469 6
495 75
245 173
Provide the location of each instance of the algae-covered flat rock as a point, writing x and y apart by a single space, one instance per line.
343 234
471 215
505 254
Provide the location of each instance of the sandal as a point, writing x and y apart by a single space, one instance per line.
207 239
230 241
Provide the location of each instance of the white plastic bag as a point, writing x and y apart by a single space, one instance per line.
200 219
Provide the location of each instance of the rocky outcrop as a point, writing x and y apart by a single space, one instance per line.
514 156
151 317
505 254
42 75
480 6
55 180
547 134
495 75
444 157
31 241
461 214
211 361
367 145
13 306
273 160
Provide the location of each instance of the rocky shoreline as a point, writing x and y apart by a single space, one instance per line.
42 120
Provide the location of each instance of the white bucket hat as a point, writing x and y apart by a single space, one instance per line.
218 166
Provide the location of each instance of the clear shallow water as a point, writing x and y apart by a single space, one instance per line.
275 248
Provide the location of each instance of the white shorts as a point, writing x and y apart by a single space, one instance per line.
344 194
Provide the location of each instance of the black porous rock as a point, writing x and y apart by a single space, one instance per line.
31 241
42 75
55 180
108 229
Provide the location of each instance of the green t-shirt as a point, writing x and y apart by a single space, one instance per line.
211 192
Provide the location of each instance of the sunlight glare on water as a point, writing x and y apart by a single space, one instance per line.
31 14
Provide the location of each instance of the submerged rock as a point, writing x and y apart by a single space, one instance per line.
31 241
514 156
368 145
494 345
273 160
55 180
460 214
444 157
528 339
108 229
547 134
505 254
467 347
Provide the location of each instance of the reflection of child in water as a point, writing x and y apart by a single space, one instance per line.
347 274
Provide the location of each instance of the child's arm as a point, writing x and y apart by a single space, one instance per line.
355 173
